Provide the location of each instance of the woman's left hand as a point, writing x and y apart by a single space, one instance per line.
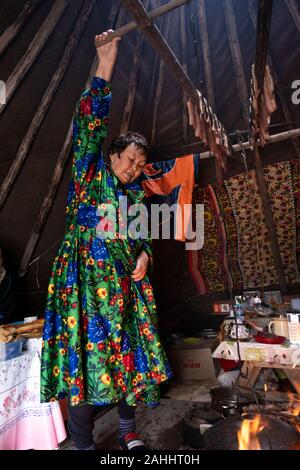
141 267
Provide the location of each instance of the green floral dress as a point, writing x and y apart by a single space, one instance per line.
100 341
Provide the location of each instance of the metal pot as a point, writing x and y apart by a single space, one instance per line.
229 401
195 422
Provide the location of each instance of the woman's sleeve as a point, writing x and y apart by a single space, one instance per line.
90 128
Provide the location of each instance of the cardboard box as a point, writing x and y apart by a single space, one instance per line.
192 360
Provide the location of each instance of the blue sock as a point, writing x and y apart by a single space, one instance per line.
126 426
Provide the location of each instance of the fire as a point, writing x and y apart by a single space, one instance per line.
247 435
294 410
265 387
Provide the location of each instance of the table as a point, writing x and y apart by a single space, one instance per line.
25 423
283 356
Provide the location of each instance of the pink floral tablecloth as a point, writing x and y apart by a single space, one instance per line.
25 423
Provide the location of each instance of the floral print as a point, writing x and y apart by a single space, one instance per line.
100 342
233 253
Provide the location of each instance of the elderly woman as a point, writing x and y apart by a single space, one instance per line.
101 342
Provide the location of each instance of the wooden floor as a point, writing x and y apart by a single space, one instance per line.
161 427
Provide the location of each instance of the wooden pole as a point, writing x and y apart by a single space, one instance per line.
154 37
237 59
285 109
262 42
45 102
153 14
268 214
159 88
292 134
58 172
34 49
11 32
184 65
209 81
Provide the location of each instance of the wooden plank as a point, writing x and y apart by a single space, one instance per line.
209 80
59 169
293 7
285 109
34 49
237 59
45 102
275 365
249 375
153 14
12 31
294 377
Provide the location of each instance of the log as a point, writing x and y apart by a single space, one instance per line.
209 81
237 59
34 49
45 102
58 173
12 31
153 14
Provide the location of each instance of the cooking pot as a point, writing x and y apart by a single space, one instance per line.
229 401
195 422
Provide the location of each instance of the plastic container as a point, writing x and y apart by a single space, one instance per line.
10 350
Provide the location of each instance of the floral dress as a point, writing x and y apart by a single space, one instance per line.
100 341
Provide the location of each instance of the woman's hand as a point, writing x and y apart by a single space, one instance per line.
107 55
141 267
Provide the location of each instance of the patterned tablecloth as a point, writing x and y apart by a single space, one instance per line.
25 423
285 354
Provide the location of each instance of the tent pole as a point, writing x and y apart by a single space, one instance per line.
209 82
58 173
45 102
237 59
268 214
285 109
262 42
153 14
34 49
11 32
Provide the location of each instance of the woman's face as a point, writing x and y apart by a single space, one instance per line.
129 164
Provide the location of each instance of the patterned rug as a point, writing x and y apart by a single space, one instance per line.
237 251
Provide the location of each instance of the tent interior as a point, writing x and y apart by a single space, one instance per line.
47 59
158 110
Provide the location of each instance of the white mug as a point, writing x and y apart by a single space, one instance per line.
280 327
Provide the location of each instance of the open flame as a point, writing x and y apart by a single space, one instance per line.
294 409
247 435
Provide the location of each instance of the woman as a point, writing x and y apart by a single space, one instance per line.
101 343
